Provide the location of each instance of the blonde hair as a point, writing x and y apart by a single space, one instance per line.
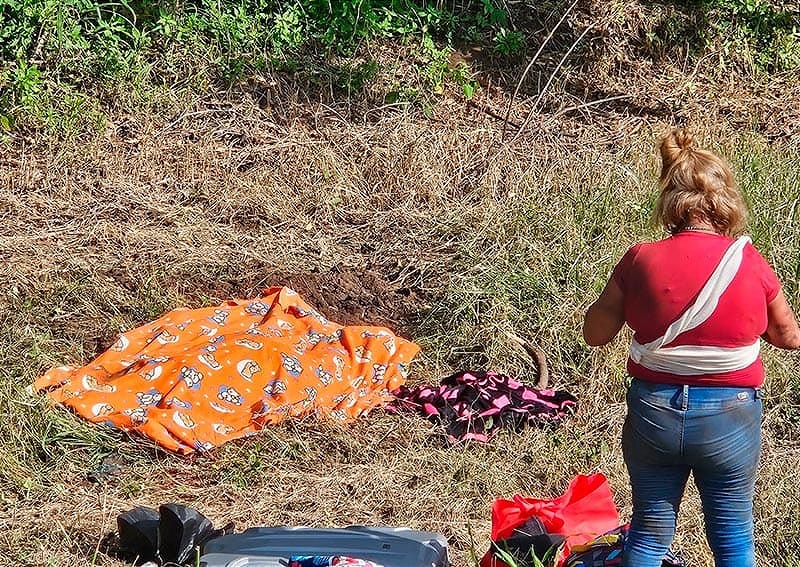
697 183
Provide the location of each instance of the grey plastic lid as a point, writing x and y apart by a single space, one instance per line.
272 547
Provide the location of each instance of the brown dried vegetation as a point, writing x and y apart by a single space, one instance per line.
437 227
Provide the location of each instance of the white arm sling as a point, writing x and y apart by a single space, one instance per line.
690 360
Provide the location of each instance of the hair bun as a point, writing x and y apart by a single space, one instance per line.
673 145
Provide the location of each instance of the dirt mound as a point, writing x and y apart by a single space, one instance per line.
356 297
348 296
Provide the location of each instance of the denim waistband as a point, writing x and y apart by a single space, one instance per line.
695 397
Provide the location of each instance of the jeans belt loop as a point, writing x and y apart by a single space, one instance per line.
685 401
759 393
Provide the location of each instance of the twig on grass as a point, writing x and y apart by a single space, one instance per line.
589 104
538 358
530 65
549 81
184 115
488 111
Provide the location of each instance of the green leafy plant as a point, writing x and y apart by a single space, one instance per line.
122 53
287 31
490 15
768 33
508 42
26 82
750 35
530 559
468 89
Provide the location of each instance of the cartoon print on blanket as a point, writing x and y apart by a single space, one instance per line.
194 379
475 405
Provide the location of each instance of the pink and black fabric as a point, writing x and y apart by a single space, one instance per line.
475 405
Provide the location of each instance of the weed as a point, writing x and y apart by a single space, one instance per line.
529 559
754 35
97 49
288 32
508 42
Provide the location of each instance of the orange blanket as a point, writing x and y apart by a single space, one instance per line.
194 379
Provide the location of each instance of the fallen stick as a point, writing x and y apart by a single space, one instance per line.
538 358
528 68
547 84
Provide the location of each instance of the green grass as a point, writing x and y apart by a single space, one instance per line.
773 199
66 66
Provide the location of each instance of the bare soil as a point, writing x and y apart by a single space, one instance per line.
346 295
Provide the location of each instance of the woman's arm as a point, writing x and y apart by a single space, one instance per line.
782 329
605 317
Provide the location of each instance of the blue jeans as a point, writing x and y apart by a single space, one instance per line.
712 432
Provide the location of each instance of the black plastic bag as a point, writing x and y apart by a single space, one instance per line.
168 536
180 530
138 533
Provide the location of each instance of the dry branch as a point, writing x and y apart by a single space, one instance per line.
530 65
538 357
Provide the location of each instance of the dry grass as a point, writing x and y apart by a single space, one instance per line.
100 237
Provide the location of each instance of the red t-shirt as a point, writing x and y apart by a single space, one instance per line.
660 280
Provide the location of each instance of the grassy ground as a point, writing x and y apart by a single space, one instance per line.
419 215
482 237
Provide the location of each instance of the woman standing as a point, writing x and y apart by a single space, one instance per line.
697 301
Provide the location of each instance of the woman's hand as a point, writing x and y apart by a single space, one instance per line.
782 329
605 317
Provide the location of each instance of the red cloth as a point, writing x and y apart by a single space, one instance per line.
584 511
660 280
